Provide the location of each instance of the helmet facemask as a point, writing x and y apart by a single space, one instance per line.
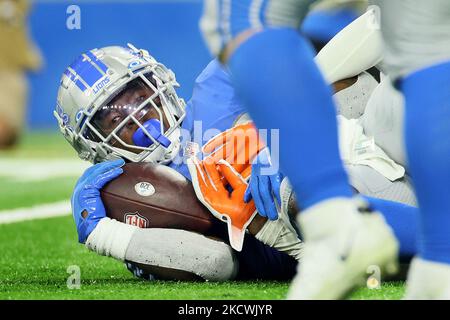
139 122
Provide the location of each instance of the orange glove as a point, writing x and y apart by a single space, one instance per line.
226 206
238 146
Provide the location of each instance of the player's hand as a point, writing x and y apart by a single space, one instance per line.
238 146
264 188
87 206
228 206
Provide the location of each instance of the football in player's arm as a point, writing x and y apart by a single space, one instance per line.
142 91
140 119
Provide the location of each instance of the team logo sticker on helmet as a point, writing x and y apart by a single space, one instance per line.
144 189
64 116
134 64
135 219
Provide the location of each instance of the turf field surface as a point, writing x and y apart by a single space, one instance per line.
41 258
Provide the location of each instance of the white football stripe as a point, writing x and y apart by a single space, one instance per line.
43 211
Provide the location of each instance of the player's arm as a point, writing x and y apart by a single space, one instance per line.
170 254
212 184
166 253
181 255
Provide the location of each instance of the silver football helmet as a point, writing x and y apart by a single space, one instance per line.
120 102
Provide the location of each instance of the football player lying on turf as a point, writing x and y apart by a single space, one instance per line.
127 123
131 111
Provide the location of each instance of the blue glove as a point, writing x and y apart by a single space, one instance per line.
86 196
264 188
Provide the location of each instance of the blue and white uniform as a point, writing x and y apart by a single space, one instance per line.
215 107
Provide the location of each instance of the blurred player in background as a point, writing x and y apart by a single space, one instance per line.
17 55
417 58
259 42
327 17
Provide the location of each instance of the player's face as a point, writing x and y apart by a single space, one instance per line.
125 103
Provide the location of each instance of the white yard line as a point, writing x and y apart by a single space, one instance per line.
43 211
29 170
41 169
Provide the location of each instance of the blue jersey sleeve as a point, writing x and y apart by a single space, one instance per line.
214 102
213 108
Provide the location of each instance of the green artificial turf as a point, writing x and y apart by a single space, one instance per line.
19 194
35 255
42 144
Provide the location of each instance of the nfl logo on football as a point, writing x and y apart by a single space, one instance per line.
135 219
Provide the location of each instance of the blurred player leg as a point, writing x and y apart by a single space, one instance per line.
275 75
417 41
402 218
265 73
